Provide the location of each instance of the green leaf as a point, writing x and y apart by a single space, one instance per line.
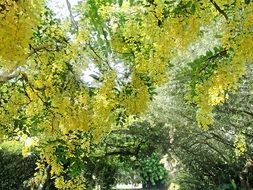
233 184
120 2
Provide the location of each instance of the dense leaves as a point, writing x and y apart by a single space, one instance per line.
49 93
213 159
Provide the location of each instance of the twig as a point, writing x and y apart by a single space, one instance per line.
71 15
105 61
6 76
220 54
219 9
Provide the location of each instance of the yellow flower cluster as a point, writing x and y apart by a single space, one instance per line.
136 102
238 38
76 183
153 38
240 145
213 91
17 21
103 106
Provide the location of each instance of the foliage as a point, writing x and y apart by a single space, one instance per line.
208 159
152 172
130 45
121 157
139 148
15 169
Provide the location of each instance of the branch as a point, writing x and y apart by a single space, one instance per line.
99 57
234 110
217 55
15 72
119 146
71 15
25 78
222 53
219 9
26 94
35 50
121 153
8 75
46 178
218 151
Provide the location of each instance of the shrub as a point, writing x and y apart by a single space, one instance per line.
15 169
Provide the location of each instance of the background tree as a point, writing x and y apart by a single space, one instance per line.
15 169
220 158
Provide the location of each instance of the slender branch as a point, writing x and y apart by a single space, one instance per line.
99 57
234 110
71 16
217 55
35 50
124 152
221 154
121 153
46 178
219 9
27 95
8 75
119 146
15 72
25 78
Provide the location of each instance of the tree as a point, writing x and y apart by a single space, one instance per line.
128 155
130 45
208 159
137 150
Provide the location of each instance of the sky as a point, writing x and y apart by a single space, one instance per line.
61 10
60 7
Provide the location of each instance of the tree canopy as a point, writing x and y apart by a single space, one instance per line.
130 48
